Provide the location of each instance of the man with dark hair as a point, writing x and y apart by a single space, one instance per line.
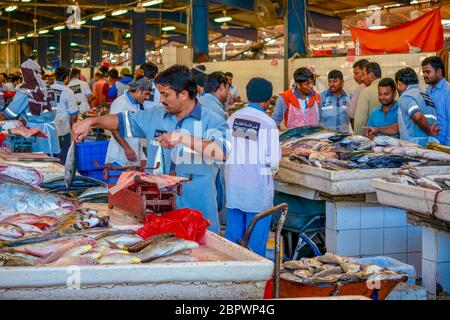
417 117
124 81
335 103
216 93
109 88
150 70
192 138
234 93
368 99
97 90
66 109
384 120
433 70
298 106
81 89
357 76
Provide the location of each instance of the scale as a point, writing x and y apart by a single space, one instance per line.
19 143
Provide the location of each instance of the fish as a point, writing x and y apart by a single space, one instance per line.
418 152
338 137
141 245
20 197
25 174
428 183
124 239
118 258
27 227
26 218
70 166
300 159
71 248
46 248
401 179
303 273
115 232
176 258
444 183
17 260
329 272
11 231
350 267
393 142
354 139
299 132
330 258
74 261
78 182
164 248
107 244
31 240
437 147
95 195
295 265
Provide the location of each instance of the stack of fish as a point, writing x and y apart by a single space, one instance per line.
335 151
411 176
80 186
331 268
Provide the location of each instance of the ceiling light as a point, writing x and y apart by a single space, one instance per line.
185 47
26 0
73 44
329 35
377 27
30 35
128 35
3 42
168 28
13 40
58 28
151 3
21 38
361 10
445 22
43 31
270 40
79 61
51 48
119 12
396 5
223 19
10 8
99 17
81 22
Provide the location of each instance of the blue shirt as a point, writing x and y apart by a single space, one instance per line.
200 193
440 94
334 111
378 118
210 101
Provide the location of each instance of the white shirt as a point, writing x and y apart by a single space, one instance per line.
156 98
82 91
115 151
255 153
66 106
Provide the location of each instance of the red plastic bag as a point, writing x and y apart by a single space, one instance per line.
186 223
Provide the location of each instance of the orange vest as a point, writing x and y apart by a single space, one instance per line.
294 116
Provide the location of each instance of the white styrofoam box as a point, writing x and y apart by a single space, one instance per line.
371 216
402 257
394 217
348 216
429 276
414 239
443 275
372 241
330 240
415 259
330 215
348 242
395 240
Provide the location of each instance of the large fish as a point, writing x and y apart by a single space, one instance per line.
95 195
19 197
118 258
124 239
418 152
25 174
17 260
78 182
46 248
164 248
11 231
70 166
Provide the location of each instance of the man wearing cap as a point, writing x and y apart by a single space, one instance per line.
124 80
83 93
255 153
192 139
128 151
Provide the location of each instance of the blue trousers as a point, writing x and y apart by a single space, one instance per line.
237 223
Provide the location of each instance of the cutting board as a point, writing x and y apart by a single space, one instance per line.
26 156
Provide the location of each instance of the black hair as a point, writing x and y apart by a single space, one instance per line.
360 63
99 74
200 79
303 75
229 74
113 73
104 70
74 72
178 78
335 74
16 78
61 73
4 75
436 63
407 76
199 69
150 70
387 82
374 68
214 80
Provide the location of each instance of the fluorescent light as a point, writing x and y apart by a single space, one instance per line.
185 47
270 40
10 8
168 28
377 27
329 35
128 35
99 17
445 21
30 35
151 3
119 12
73 44
361 10
81 22
223 19
396 5
80 61
59 28
26 0
21 38
51 48
43 31
13 40
3 42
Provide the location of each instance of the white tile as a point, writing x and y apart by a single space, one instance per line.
371 216
395 240
429 276
348 242
330 240
394 217
348 216
415 259
443 275
429 243
402 257
372 242
414 239
443 249
330 215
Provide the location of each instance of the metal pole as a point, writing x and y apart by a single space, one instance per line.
286 48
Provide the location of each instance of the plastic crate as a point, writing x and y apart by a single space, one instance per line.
87 152
98 174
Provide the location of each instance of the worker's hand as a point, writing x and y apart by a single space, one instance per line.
80 129
130 154
434 130
171 139
371 132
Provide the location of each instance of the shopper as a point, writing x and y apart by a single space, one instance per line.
234 93
384 119
97 91
255 153
357 76
109 89
335 103
193 139
433 70
124 81
368 98
66 110
150 71
83 93
216 93
128 151
298 106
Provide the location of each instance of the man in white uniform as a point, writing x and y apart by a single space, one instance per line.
83 93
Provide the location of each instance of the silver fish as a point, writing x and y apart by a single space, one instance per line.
25 174
164 248
70 166
355 139
11 231
393 142
124 239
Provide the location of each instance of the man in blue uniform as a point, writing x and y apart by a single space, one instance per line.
193 139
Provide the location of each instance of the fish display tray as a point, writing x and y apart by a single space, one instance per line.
243 278
338 183
413 198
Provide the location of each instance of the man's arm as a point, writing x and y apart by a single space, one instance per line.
278 113
393 129
80 129
129 152
420 119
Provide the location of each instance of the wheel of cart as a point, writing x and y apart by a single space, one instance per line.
283 210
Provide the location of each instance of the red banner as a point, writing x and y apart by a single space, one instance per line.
424 34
